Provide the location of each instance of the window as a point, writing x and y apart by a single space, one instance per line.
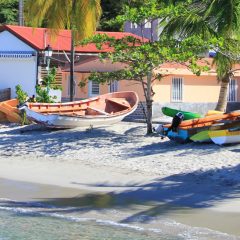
93 88
177 89
74 85
113 86
133 25
147 23
232 91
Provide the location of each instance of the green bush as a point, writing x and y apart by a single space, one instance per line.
21 95
47 84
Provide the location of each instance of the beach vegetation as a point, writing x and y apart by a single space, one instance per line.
22 96
48 83
209 19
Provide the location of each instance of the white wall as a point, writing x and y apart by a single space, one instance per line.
15 71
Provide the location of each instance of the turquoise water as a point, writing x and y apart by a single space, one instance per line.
29 227
36 221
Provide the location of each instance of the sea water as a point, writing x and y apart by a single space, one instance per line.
36 221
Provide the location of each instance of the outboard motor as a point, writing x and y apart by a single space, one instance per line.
159 129
177 119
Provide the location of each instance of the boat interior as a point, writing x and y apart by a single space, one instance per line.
91 107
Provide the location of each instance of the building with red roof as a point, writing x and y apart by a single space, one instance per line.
22 62
22 54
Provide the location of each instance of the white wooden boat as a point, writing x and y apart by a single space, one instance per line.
98 111
226 136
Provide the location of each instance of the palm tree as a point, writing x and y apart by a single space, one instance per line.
208 18
80 16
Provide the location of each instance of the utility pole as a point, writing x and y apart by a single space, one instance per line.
72 84
20 12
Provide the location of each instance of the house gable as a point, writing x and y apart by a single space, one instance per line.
18 64
9 42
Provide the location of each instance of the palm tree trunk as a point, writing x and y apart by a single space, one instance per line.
20 13
72 52
222 100
72 67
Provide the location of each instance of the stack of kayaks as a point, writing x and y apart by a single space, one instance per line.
220 128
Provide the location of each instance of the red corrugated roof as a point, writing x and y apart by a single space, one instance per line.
39 38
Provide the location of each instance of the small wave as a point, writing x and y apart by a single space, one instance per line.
26 204
167 226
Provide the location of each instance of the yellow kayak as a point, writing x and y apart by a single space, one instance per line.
213 112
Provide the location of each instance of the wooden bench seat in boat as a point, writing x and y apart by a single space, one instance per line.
120 102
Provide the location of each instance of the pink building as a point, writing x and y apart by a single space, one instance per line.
180 88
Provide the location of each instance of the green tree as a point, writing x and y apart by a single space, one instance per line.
142 57
80 16
209 18
47 84
8 11
111 9
21 95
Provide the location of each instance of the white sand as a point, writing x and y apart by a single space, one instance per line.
122 160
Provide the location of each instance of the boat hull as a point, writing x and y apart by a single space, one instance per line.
9 111
103 110
223 137
181 136
202 137
58 121
208 121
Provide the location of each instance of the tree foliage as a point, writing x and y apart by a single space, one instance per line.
44 89
110 10
21 95
8 11
79 15
210 18
143 57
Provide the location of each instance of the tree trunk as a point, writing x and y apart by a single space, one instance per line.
20 13
222 99
149 103
72 68
72 52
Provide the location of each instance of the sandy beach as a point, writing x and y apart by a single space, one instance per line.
120 168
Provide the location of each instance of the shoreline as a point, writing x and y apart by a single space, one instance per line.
100 206
120 168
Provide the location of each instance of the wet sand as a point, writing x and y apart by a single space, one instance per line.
226 222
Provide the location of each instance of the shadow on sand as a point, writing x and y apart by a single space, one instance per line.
54 142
